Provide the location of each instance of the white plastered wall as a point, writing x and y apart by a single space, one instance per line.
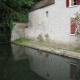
56 23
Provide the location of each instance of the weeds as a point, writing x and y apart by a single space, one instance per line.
21 40
40 38
77 48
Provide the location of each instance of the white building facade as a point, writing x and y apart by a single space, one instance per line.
54 20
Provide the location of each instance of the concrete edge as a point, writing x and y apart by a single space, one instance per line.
60 52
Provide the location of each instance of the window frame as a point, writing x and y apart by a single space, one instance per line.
72 3
69 2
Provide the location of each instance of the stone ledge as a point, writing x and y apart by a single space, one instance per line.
60 52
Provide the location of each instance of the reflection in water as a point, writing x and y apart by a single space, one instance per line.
22 63
77 75
18 52
15 66
73 70
53 67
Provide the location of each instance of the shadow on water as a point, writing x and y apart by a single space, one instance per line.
5 32
15 66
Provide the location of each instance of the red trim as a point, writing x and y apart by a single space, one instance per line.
73 26
67 3
78 2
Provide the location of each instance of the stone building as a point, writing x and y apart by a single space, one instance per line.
53 20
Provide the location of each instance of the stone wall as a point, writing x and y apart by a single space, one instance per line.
18 31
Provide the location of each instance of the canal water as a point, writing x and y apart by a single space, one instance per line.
23 63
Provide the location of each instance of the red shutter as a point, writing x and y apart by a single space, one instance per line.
67 3
73 26
78 2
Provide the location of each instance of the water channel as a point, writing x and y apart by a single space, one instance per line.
23 63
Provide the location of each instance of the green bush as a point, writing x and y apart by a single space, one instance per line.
40 38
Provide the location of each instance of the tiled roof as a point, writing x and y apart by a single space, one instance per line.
42 4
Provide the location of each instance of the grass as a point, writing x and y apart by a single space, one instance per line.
21 40
77 48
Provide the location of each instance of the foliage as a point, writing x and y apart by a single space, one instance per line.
37 0
40 38
77 18
77 48
21 40
14 10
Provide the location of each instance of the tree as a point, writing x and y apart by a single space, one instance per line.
37 0
77 18
13 11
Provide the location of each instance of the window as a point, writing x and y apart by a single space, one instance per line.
70 3
46 13
73 25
